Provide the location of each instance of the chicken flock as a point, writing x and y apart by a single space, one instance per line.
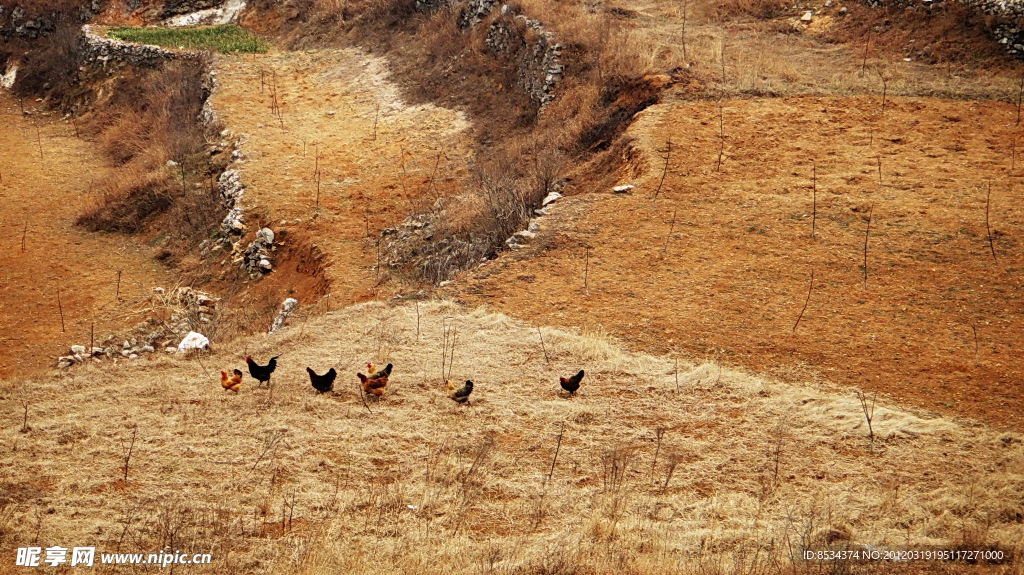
373 384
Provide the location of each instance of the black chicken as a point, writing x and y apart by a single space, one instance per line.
322 383
261 373
571 384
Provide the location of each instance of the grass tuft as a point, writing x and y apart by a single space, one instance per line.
225 39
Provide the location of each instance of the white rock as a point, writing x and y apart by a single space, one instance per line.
64 362
133 356
172 164
808 16
265 236
550 198
170 349
158 290
622 189
77 349
265 264
193 341
7 79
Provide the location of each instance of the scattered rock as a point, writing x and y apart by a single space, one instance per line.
256 257
287 307
193 341
807 17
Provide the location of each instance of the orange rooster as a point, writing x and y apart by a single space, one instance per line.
375 383
231 382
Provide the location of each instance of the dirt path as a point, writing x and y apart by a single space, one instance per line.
379 158
731 278
46 195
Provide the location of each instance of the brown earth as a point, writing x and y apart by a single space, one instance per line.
729 277
380 159
40 199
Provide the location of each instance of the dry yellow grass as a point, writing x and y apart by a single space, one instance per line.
781 57
317 484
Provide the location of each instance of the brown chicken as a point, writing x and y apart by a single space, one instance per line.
571 384
231 382
460 394
375 383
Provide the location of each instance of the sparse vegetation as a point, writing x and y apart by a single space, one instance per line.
225 39
523 153
423 484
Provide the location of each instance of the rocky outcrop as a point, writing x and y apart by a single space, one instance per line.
176 314
474 11
514 37
170 8
214 16
256 257
287 307
25 20
538 56
1006 17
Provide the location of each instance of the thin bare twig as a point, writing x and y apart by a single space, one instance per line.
810 286
867 231
555 458
814 195
988 228
664 169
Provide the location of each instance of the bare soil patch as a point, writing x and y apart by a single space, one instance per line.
47 194
380 159
728 279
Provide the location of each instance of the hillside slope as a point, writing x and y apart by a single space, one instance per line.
57 255
647 469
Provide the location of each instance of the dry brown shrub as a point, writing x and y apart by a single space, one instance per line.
51 67
760 9
128 202
948 33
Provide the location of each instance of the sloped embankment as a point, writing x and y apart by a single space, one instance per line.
659 468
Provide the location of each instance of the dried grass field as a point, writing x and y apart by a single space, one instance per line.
659 469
